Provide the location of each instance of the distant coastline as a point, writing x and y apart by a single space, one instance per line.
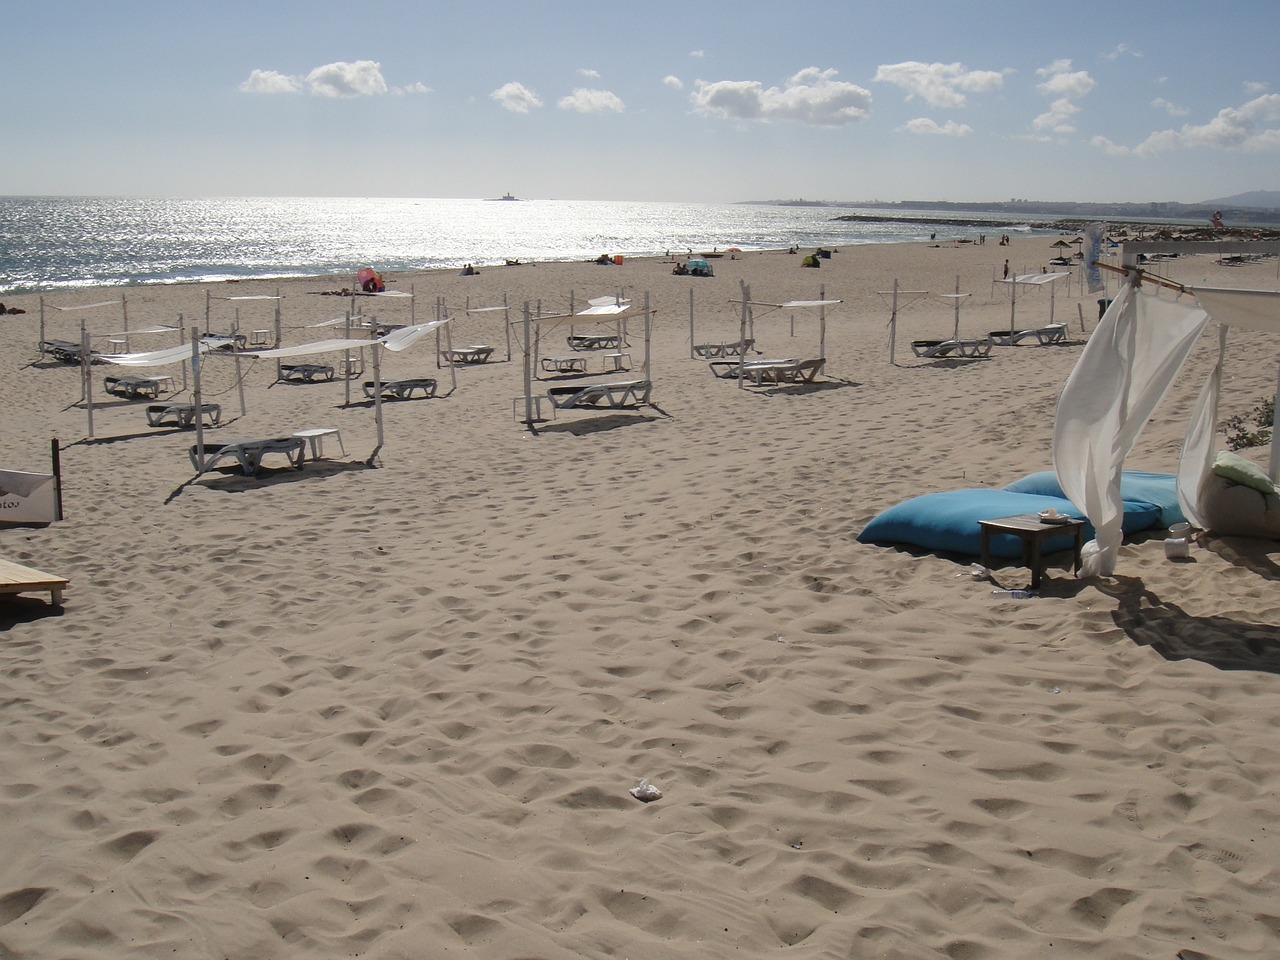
1155 215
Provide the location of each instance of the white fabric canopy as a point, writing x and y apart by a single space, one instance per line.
396 340
1126 368
1243 309
1034 279
154 358
790 304
86 306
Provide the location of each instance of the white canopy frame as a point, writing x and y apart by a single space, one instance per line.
506 317
1034 281
747 321
532 319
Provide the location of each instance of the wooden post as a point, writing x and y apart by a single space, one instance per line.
195 396
893 322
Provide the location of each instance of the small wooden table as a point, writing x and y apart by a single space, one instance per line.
1032 531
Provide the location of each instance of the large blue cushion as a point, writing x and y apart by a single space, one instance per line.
1136 486
949 521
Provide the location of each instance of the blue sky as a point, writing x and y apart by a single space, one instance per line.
735 100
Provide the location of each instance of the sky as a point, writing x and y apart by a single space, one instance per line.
955 100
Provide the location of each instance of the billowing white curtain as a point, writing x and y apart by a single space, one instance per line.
1125 370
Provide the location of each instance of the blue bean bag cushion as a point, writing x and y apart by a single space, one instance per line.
1136 486
948 521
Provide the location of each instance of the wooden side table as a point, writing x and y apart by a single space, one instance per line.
1033 532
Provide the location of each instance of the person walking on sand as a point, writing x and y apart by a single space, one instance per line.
1006 270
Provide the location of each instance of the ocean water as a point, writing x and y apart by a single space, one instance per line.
60 243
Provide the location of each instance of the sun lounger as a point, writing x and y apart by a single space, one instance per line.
728 369
931 349
305 372
476 353
710 351
401 389
16 578
594 342
564 364
224 341
181 414
248 454
1050 333
64 351
131 387
618 395
789 371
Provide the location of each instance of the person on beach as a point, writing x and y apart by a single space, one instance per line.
1006 270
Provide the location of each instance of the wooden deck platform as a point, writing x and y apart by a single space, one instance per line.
15 578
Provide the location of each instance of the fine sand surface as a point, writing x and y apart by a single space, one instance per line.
396 712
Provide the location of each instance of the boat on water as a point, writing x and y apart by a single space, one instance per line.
505 196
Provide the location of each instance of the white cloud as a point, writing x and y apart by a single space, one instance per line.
591 101
812 96
516 97
340 80
697 54
343 80
1058 118
1119 51
269 81
924 125
590 74
1254 87
1251 127
1160 103
673 82
1061 81
938 84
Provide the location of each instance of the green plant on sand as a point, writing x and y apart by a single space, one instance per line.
1253 429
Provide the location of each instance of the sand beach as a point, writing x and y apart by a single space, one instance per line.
396 712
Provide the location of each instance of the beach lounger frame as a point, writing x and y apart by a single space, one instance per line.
305 372
616 395
131 387
937 349
401 389
248 454
1050 333
792 371
712 351
729 369
593 341
181 414
64 351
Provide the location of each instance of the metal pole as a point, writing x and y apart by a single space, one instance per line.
742 333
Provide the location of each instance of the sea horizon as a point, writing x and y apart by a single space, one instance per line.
65 243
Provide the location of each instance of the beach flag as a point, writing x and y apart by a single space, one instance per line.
1093 236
